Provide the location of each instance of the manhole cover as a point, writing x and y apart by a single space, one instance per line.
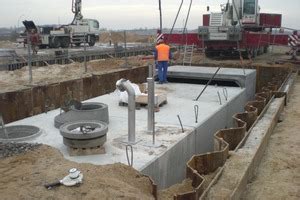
84 134
18 133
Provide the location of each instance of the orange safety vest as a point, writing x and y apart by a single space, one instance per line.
163 52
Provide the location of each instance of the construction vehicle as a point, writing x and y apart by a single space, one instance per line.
79 31
239 29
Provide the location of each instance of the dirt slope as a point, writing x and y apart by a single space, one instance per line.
23 177
278 176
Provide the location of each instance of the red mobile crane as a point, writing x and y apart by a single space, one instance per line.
239 28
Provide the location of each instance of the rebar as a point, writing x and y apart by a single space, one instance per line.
130 162
180 123
220 100
207 84
225 93
196 110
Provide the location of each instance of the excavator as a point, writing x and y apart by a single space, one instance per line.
79 31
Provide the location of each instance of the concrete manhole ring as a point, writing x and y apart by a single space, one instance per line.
89 143
87 111
19 133
82 130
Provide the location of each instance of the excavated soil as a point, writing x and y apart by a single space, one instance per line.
19 79
119 37
6 44
168 194
23 177
268 59
278 176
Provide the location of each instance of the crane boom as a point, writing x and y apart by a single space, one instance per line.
76 9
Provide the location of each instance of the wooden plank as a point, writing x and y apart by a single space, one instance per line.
86 151
159 99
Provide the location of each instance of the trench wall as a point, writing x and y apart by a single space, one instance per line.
34 100
169 168
264 75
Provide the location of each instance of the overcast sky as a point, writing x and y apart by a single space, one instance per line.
129 14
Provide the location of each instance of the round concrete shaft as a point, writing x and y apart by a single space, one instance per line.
87 111
94 129
18 133
89 143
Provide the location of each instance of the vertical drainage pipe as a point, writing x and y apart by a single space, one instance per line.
124 85
151 128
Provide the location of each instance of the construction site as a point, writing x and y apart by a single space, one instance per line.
84 114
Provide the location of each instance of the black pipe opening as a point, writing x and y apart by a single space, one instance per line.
228 83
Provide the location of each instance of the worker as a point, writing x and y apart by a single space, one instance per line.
34 41
162 55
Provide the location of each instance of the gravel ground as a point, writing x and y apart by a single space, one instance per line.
11 148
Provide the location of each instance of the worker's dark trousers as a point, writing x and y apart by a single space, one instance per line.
162 71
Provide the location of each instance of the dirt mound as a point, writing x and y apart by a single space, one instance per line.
6 44
24 176
18 79
119 37
168 194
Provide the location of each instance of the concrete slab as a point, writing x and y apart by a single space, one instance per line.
165 163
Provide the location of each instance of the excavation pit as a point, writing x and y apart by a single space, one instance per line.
166 163
18 133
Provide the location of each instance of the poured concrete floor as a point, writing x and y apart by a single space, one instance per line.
180 102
